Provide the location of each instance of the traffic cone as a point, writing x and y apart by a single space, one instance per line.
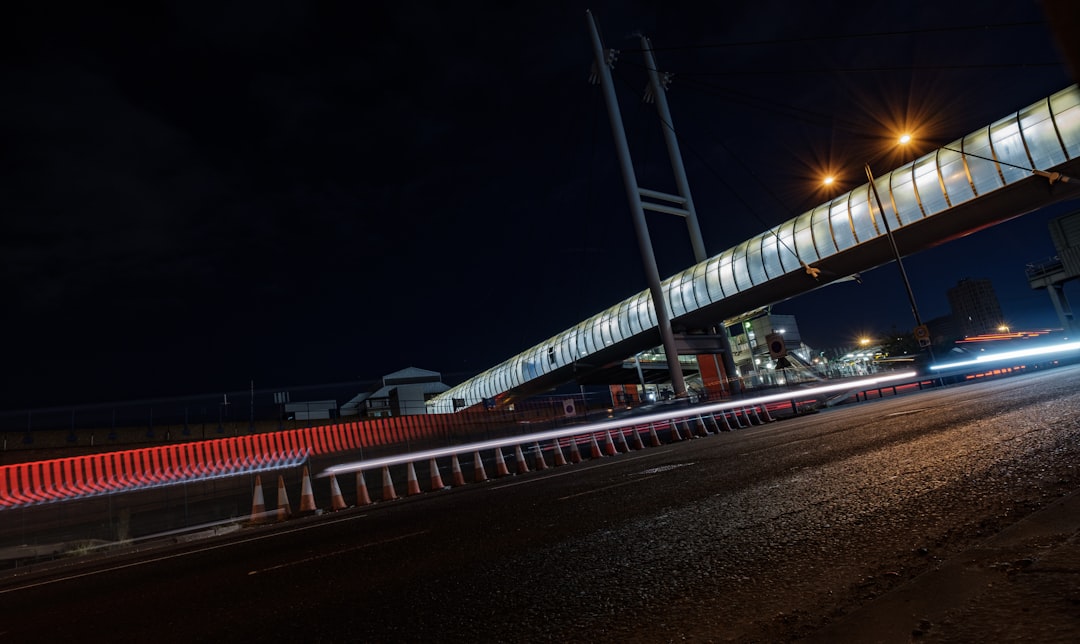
702 430
307 497
500 464
622 439
541 464
455 469
594 448
559 458
522 466
637 439
757 419
609 445
675 435
765 412
738 421
479 474
654 440
284 511
362 496
436 477
388 492
685 429
727 425
413 484
575 453
337 502
258 504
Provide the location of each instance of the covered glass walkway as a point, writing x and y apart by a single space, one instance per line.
993 174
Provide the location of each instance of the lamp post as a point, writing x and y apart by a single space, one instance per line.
896 256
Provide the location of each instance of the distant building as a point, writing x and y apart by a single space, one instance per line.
748 334
403 393
311 410
975 307
944 329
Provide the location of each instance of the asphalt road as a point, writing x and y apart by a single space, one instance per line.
765 534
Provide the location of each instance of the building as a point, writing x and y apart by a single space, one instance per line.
755 363
402 393
975 307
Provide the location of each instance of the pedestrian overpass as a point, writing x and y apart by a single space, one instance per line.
1016 165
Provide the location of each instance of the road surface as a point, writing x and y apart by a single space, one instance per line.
772 533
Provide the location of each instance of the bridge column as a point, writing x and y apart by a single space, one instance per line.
1061 306
652 273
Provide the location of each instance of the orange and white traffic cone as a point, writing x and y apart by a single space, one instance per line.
559 458
702 430
766 414
522 466
637 439
500 463
654 440
414 485
362 496
455 470
337 502
609 444
388 492
258 504
541 464
307 497
436 477
684 429
575 453
594 447
284 511
622 439
479 473
675 435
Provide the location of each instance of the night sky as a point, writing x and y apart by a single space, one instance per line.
200 195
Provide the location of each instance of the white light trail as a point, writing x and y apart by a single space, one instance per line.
671 415
987 358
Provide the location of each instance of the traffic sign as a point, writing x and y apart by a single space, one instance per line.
922 334
776 345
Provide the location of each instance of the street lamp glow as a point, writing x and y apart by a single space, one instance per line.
905 139
828 180
864 341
